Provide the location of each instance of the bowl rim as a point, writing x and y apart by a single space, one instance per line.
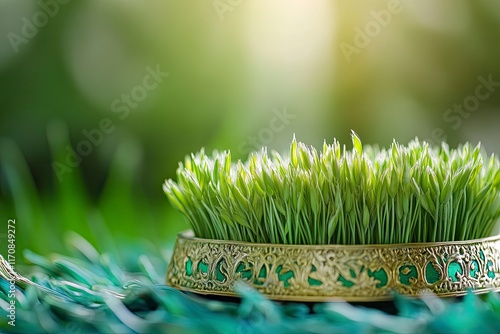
189 235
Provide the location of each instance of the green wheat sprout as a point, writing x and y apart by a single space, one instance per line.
365 195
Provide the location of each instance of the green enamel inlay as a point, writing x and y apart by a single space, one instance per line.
431 274
219 276
312 281
380 275
189 267
203 267
406 273
262 274
284 277
244 273
353 274
345 282
454 268
491 273
474 269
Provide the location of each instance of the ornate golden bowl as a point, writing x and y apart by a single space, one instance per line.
326 272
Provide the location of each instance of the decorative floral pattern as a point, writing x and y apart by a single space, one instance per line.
353 273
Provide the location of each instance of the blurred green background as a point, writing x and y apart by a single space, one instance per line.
133 86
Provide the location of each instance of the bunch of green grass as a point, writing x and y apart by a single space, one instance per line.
365 195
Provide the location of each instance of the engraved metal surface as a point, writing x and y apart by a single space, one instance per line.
324 272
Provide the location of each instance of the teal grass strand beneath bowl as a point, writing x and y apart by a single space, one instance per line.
133 299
